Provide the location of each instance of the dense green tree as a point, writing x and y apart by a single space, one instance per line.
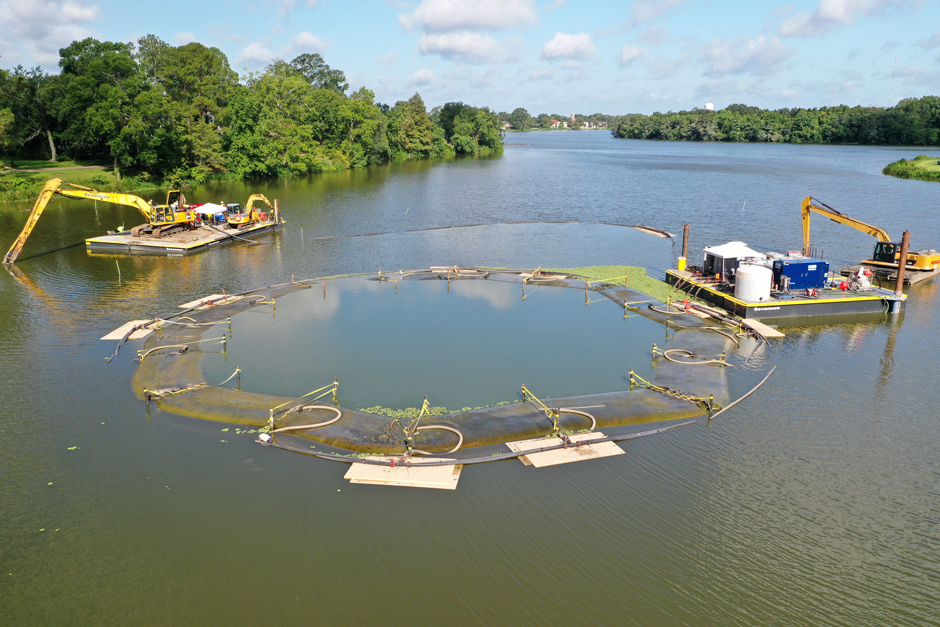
520 119
320 75
409 130
6 132
26 94
182 114
912 122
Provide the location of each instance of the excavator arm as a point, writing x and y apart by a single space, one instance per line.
811 204
56 186
253 198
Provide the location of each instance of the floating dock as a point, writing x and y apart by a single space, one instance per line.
828 302
183 242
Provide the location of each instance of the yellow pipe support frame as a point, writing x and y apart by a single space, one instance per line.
331 386
706 403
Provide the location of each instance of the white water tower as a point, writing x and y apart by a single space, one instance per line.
709 106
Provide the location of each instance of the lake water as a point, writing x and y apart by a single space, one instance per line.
814 502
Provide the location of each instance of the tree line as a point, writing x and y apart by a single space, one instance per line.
522 120
912 122
182 114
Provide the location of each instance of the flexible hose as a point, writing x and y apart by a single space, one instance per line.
565 410
687 353
754 389
677 312
339 414
156 348
445 428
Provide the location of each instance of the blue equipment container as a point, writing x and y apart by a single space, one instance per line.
802 273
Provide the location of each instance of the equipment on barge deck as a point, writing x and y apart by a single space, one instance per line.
161 219
887 253
238 217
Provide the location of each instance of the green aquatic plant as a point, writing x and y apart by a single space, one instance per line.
411 413
636 279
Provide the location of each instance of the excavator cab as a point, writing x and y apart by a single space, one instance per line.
886 252
175 199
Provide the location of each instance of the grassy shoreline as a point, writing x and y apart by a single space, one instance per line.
922 168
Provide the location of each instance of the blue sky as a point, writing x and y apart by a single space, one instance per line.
548 56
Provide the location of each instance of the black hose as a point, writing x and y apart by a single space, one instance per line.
250 241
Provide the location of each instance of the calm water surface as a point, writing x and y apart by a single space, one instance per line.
815 502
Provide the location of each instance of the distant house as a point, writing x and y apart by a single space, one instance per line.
506 126
556 123
602 125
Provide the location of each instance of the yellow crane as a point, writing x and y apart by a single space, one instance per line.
886 253
161 219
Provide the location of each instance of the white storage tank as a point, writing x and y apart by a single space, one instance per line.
752 283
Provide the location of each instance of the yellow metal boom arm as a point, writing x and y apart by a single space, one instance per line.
811 204
253 198
56 186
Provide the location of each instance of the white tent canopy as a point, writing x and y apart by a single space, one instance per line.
737 250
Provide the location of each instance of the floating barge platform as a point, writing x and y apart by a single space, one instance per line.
828 302
175 244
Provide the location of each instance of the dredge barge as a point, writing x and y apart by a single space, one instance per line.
183 242
756 286
173 228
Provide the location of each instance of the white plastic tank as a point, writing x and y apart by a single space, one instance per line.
752 283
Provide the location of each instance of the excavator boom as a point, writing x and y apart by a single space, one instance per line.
811 204
50 188
155 216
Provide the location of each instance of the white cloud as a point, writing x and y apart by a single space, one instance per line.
832 13
286 7
654 35
182 38
421 78
645 10
475 47
629 54
541 74
930 43
555 4
254 55
391 58
916 75
306 42
573 47
41 27
462 15
759 56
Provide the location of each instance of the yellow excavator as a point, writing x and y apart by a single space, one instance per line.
240 218
161 219
886 254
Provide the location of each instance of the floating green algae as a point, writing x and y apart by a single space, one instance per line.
410 413
636 278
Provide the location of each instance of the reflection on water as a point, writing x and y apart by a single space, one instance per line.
814 502
466 343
